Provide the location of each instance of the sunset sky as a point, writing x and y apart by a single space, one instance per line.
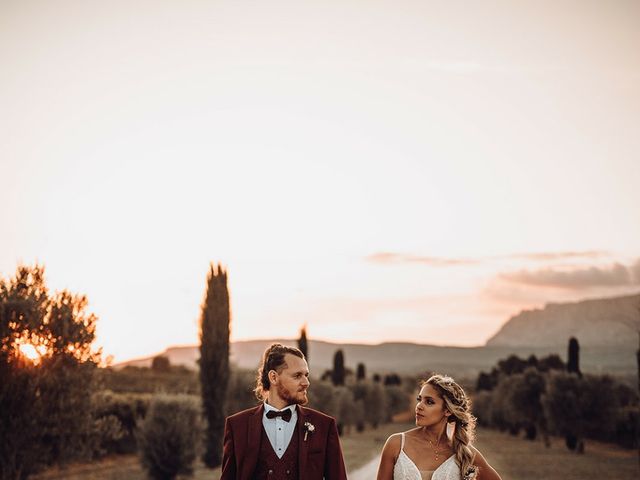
406 170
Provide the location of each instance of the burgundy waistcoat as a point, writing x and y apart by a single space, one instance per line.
270 467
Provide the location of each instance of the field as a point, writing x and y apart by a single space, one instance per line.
518 459
514 458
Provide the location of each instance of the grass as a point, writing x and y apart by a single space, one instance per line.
519 459
514 458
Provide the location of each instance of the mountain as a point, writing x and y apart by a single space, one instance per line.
607 344
605 322
407 358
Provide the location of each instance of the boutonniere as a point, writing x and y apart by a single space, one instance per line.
308 428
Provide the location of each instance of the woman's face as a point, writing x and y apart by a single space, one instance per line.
429 407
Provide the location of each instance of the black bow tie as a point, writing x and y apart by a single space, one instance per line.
285 414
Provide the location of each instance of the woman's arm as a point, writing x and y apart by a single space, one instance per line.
485 471
390 453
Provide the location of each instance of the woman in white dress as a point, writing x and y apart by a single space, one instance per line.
431 451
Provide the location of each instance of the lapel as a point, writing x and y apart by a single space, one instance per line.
254 432
303 446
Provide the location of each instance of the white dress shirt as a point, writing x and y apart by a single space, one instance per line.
278 431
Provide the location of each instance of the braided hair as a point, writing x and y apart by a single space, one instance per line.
459 405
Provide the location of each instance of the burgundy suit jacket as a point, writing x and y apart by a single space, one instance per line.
319 456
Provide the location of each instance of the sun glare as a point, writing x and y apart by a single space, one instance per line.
31 352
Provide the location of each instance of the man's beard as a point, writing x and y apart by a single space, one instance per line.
286 395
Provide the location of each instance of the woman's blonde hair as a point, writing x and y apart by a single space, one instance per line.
459 405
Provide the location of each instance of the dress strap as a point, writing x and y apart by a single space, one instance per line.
402 442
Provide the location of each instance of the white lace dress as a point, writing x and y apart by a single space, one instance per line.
405 469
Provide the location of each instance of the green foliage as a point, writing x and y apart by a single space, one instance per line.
177 379
580 407
116 419
522 401
338 372
392 379
214 362
240 394
397 400
67 422
322 397
361 372
346 415
544 398
22 450
45 404
170 436
573 364
375 404
482 407
160 363
303 344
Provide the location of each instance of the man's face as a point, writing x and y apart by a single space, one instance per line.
293 381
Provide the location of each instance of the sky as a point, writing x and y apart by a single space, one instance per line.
380 171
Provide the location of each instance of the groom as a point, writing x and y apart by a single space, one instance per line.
281 439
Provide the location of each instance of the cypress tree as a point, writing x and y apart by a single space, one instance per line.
573 363
337 375
214 361
361 372
303 345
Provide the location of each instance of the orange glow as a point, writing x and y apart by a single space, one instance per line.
31 352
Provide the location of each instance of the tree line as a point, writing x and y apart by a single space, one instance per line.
58 406
544 397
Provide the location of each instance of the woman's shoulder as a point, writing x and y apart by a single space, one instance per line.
397 437
478 458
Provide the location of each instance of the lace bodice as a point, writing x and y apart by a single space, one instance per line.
405 469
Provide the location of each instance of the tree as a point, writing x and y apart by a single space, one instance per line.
361 372
45 398
375 405
302 343
214 361
579 407
338 372
573 363
160 363
523 402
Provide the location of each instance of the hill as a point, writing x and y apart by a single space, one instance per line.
602 326
605 322
407 358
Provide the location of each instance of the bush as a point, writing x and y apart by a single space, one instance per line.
323 397
240 394
482 404
397 400
125 410
170 437
375 404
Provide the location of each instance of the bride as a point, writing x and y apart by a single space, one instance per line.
429 452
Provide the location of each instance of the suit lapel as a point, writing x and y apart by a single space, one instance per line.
303 445
254 432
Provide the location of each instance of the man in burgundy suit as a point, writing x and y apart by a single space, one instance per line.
280 439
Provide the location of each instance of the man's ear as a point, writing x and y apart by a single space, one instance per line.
273 376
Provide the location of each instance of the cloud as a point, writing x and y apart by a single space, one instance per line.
616 275
395 257
551 256
390 257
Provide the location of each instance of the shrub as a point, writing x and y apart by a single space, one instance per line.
111 409
170 437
